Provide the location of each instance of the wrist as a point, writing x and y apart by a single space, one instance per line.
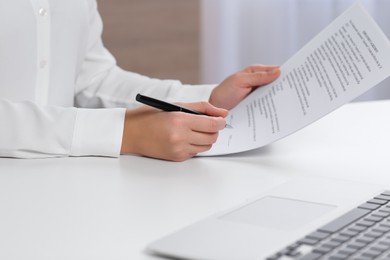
129 131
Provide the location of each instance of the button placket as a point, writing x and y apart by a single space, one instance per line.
42 10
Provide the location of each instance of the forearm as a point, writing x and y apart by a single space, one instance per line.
118 88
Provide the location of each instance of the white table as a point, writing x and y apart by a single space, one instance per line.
102 208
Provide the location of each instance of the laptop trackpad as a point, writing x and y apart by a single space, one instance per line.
278 213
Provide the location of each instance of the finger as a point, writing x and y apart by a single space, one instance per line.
199 138
195 149
207 108
206 124
262 78
260 67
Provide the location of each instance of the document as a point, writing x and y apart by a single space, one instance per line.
346 59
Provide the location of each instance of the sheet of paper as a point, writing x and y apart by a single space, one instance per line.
346 59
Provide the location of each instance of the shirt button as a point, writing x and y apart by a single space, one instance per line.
42 64
42 11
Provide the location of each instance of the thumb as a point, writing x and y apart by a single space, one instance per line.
207 108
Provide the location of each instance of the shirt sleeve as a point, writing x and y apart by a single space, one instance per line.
101 83
32 131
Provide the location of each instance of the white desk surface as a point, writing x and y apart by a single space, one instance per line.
104 208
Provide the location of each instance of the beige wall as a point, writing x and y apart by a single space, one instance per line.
158 38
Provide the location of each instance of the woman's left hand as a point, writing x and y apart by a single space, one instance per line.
239 85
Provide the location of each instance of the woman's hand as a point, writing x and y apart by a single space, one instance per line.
174 136
239 85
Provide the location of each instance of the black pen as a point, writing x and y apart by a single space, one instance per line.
165 106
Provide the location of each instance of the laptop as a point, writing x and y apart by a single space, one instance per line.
305 218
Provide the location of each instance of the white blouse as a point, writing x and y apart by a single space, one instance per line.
54 75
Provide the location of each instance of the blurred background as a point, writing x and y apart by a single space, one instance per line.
157 38
203 41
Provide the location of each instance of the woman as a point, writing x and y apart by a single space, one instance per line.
55 73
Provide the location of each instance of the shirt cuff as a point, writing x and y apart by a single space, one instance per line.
98 132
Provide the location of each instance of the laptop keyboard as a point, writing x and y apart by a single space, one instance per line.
361 234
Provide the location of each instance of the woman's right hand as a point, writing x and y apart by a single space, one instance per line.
174 136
